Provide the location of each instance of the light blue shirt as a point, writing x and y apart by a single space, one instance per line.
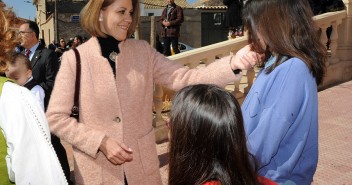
33 49
281 122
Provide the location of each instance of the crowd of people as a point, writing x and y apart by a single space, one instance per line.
271 139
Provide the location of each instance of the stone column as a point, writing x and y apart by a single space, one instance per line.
344 48
158 122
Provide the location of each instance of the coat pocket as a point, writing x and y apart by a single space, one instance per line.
148 154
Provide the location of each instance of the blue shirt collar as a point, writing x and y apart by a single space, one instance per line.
33 49
272 60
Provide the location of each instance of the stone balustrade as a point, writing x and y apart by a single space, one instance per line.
339 66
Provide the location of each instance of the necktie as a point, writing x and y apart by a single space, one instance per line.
27 52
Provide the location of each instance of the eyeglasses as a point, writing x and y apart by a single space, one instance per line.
23 32
62 41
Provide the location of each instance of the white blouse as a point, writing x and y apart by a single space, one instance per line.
30 157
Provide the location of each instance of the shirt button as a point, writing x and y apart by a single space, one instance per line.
117 119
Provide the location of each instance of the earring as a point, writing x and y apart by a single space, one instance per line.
100 18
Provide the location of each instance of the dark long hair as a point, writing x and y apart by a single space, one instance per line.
207 138
287 28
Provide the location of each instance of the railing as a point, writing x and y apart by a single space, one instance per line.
339 64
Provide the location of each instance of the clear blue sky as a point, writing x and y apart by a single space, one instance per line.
22 8
191 1
25 8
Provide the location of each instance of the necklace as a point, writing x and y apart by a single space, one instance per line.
113 56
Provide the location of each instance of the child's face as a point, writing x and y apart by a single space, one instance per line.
18 72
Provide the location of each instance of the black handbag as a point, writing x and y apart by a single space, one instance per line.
75 107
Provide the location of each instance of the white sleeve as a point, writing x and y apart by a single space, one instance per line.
30 158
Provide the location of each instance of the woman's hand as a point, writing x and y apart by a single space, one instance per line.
245 58
117 153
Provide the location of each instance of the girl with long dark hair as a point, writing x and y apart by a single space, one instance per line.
207 139
281 110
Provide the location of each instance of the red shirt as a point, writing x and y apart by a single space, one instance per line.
265 181
261 180
213 182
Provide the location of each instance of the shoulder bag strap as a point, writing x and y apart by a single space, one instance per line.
75 108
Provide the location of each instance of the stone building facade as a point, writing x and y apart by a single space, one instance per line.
59 19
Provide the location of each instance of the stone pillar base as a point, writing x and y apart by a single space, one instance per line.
161 132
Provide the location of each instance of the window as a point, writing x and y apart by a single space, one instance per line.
217 19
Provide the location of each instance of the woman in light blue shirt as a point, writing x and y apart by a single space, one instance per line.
281 110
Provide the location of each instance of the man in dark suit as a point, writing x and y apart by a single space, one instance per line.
45 66
44 61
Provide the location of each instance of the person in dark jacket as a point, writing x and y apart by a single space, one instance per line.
233 17
61 48
323 6
171 20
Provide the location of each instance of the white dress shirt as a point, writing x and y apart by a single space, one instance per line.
38 92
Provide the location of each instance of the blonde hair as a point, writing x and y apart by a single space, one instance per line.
91 12
8 39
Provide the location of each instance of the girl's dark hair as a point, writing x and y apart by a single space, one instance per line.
207 138
287 28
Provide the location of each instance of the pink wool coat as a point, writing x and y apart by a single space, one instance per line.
119 108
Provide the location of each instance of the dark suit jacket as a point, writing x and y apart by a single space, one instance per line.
45 66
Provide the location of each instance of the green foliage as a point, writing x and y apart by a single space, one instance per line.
4 178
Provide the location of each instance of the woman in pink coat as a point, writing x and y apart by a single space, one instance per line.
113 141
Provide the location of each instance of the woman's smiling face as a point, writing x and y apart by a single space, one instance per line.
116 19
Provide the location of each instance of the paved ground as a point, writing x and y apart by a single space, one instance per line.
335 138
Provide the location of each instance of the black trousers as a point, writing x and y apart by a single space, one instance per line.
61 154
170 41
